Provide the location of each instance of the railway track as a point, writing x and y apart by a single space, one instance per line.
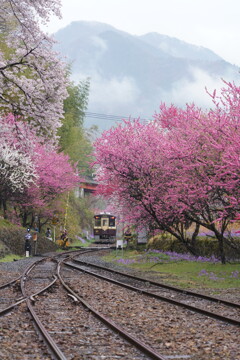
70 327
81 316
174 331
201 303
18 339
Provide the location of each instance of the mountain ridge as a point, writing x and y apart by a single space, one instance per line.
133 74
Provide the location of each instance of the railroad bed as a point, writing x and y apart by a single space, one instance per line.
166 330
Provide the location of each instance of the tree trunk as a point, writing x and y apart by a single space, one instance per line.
4 203
221 248
24 219
189 244
220 237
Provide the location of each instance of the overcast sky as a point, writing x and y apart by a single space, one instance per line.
214 24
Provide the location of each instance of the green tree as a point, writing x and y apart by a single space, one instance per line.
74 139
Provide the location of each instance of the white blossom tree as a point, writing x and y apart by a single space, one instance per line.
32 76
17 170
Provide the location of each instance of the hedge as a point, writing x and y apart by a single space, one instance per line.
205 246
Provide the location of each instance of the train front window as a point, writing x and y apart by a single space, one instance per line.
97 221
112 221
104 222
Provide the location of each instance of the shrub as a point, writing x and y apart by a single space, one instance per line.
165 243
205 246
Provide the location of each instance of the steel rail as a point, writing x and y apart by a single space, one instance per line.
53 347
55 350
163 298
140 345
169 287
10 307
19 277
19 301
10 282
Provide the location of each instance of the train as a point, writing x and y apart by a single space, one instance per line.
104 228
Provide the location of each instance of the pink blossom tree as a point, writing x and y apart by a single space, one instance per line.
205 152
55 175
32 77
179 169
135 174
32 174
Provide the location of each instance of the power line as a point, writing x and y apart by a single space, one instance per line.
109 117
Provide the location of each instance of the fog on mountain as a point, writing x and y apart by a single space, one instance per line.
131 75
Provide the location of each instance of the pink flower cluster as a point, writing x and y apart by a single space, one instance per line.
183 167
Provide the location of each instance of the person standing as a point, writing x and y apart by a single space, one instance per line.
28 246
49 234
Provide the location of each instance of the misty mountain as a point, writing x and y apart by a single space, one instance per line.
179 49
131 75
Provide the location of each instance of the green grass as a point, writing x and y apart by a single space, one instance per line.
79 243
185 274
11 257
74 244
5 223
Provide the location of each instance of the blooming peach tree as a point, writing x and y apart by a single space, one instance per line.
32 174
55 175
179 169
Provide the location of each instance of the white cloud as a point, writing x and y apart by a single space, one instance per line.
186 91
99 43
122 97
113 96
